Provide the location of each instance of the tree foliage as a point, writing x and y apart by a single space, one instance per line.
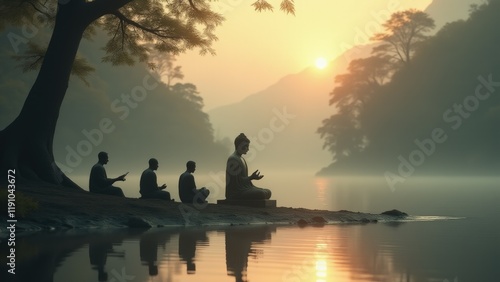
343 131
136 28
32 59
403 31
163 65
189 92
286 6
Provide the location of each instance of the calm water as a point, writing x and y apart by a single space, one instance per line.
465 249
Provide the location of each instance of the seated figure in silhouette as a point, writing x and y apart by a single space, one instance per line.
98 253
239 184
188 192
149 188
242 243
148 248
99 181
188 240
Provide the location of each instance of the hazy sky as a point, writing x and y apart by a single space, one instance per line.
255 50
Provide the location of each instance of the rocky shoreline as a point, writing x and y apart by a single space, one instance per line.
60 208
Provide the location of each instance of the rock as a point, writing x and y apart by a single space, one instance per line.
318 219
302 222
136 222
395 213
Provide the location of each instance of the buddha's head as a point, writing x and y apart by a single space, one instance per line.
241 144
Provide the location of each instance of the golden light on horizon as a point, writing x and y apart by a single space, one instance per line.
321 63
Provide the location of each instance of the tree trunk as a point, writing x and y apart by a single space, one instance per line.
26 144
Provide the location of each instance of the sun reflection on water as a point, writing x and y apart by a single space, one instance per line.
321 259
321 270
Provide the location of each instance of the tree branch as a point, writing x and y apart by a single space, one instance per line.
191 3
38 9
158 32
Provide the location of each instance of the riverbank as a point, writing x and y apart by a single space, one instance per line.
59 208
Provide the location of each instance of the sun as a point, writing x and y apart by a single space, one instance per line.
321 63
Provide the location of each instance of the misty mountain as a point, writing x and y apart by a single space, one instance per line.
281 120
440 115
305 96
124 110
447 11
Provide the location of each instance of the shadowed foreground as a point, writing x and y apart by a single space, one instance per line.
60 208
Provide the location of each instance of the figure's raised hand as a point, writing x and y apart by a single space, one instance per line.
163 186
256 175
122 177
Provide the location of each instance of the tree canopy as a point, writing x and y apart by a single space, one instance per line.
136 29
343 131
403 32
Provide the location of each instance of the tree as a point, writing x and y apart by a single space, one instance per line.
189 92
403 31
163 65
343 132
135 29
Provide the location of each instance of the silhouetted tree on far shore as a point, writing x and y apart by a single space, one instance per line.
403 31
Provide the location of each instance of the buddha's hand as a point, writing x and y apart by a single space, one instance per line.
256 175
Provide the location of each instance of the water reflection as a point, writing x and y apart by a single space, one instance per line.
414 251
38 257
99 248
188 240
240 244
321 265
149 243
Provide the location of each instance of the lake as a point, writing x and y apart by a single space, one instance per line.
462 243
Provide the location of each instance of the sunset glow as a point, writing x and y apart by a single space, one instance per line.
321 63
262 140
